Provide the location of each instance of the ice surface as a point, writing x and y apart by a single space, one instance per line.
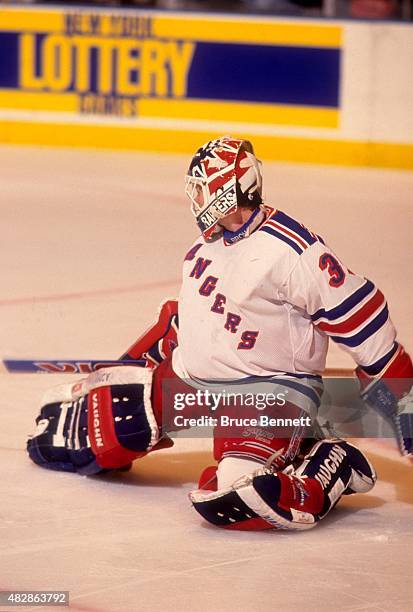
91 242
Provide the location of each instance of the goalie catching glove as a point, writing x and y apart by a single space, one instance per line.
101 423
390 393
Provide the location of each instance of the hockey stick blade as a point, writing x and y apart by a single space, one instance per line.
63 366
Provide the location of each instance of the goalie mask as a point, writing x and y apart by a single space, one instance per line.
224 174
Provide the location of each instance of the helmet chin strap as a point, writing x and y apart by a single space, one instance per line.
256 219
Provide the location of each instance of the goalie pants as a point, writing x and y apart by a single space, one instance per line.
250 444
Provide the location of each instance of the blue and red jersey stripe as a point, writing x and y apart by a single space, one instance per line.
357 318
346 305
290 231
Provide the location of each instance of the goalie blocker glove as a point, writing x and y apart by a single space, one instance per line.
291 499
101 423
388 389
157 342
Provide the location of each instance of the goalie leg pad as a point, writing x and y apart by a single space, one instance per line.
291 499
226 508
255 503
336 465
103 422
47 446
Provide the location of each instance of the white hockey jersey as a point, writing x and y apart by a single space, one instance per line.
267 304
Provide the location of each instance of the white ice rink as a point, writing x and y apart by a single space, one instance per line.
90 244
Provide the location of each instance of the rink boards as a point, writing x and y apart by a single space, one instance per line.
302 90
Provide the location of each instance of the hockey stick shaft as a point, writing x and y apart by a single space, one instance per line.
63 366
85 366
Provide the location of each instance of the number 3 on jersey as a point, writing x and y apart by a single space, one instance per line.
329 262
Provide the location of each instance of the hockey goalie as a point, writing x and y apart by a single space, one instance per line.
261 295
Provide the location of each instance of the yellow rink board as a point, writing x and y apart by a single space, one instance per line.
183 109
134 80
301 150
185 27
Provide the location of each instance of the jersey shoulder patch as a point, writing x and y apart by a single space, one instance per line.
291 232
